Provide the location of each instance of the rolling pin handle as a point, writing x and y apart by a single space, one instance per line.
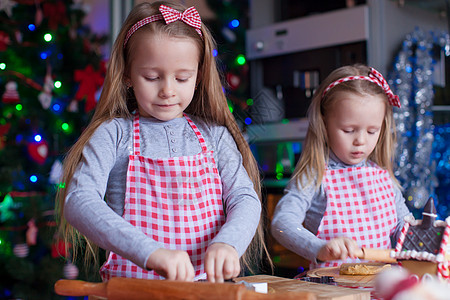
380 255
64 287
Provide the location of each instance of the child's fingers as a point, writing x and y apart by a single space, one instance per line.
214 268
231 268
218 275
336 249
340 248
209 267
342 252
352 247
221 262
190 272
185 271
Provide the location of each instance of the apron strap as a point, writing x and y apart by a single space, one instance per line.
136 134
197 133
136 138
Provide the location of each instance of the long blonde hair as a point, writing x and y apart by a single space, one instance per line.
209 103
316 150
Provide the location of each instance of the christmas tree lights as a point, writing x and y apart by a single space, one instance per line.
42 46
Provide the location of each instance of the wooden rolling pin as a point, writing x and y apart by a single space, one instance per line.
136 289
380 255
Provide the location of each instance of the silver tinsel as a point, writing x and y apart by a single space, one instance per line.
412 81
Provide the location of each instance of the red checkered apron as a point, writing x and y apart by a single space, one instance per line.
176 201
361 206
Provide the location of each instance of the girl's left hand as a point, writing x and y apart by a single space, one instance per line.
221 262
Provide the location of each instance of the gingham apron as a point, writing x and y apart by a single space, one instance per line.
176 201
360 205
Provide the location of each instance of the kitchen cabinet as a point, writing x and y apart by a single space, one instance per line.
291 56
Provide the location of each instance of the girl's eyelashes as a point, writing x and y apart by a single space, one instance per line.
156 78
374 131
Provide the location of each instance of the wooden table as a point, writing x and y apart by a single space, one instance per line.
322 291
280 285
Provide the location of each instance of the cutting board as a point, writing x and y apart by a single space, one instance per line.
322 291
344 280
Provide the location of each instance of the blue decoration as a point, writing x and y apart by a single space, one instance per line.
412 81
441 154
234 23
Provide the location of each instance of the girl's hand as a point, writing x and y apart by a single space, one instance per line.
338 249
221 262
172 264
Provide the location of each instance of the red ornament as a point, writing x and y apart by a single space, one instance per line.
10 96
90 80
70 271
21 250
56 14
38 151
4 41
233 81
60 248
3 131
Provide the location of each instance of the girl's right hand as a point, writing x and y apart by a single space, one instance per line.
172 264
338 249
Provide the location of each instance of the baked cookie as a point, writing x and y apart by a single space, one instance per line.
362 268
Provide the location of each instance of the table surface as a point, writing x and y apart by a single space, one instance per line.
322 291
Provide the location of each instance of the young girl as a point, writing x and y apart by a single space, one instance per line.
343 194
162 177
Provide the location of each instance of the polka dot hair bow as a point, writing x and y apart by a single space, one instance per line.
190 16
375 77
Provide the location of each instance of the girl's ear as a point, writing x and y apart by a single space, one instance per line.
127 81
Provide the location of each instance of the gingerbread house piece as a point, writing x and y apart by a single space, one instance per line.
423 244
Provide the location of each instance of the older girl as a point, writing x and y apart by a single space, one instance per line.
162 178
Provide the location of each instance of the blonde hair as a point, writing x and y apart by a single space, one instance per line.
316 150
209 103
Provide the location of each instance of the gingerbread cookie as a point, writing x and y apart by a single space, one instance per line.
362 268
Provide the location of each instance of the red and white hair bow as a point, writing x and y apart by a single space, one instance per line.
190 16
375 77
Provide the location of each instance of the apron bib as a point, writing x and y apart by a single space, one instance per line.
176 201
361 206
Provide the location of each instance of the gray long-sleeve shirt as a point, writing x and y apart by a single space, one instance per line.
299 212
101 175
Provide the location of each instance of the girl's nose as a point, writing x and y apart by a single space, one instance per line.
166 90
360 139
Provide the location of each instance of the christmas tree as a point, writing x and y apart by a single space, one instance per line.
51 70
228 28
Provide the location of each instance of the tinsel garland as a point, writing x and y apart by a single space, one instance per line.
412 80
441 154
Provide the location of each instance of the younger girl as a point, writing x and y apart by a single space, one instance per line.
343 194
162 177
